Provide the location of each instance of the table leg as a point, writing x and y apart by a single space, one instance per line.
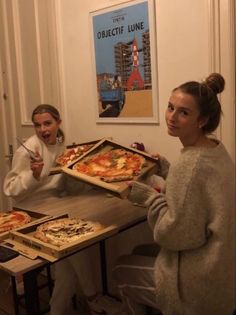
103 261
14 295
49 280
32 305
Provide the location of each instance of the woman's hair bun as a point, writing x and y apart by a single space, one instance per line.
215 82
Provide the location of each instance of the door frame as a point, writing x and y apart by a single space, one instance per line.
222 34
44 19
5 156
6 103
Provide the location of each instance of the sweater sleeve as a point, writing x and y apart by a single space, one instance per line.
20 183
178 219
140 193
20 179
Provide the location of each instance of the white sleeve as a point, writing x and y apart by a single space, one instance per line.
20 179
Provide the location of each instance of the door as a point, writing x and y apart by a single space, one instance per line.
6 124
29 71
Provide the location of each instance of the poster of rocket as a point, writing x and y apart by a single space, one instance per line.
123 62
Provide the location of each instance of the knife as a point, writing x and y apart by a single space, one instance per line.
32 155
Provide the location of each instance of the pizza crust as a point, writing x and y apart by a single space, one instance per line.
120 178
63 231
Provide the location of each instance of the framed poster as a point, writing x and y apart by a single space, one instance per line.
124 62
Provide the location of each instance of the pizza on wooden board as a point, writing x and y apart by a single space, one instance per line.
13 219
112 166
63 231
69 155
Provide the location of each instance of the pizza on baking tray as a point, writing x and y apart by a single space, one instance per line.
13 219
112 166
70 155
63 231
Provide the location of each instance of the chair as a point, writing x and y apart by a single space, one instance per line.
151 250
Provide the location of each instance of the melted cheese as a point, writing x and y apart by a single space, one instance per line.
121 162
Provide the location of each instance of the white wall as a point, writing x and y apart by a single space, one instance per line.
183 54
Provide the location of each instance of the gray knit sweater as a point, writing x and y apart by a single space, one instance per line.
194 223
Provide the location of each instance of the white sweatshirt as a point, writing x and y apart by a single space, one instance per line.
20 183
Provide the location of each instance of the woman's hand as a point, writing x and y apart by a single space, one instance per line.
162 165
36 165
140 192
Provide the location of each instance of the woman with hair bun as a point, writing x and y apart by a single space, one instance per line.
193 222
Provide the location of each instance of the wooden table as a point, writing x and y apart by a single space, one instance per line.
92 205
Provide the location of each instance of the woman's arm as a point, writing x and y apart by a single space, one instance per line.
20 179
36 166
179 218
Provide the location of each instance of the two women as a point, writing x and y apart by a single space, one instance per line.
193 222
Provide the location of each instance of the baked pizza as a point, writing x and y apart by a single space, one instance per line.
69 155
13 219
63 231
112 166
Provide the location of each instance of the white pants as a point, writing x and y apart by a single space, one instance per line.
134 276
71 275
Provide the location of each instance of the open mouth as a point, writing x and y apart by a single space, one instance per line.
45 137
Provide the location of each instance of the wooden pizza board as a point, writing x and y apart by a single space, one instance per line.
121 188
58 169
26 244
36 217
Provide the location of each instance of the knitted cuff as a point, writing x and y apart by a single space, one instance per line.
140 193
